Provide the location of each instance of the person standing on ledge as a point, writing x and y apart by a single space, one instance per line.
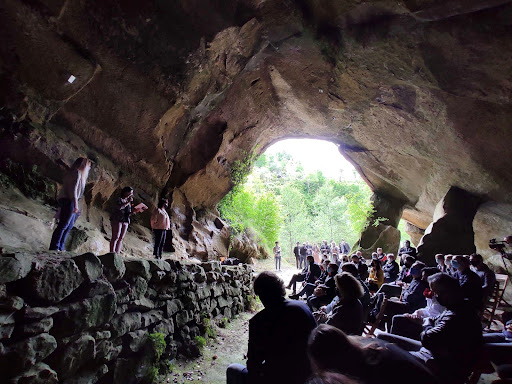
120 219
72 191
278 338
160 223
277 255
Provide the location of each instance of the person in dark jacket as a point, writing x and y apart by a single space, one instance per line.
303 251
296 252
487 277
412 297
468 281
394 289
368 361
347 315
314 272
278 337
407 250
361 265
297 278
451 343
325 290
390 269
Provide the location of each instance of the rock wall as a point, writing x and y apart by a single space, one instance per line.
86 319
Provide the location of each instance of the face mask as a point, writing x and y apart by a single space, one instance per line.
455 264
438 262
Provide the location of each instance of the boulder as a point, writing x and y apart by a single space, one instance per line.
88 376
11 303
134 341
173 306
107 350
68 360
14 267
88 313
127 322
37 313
90 266
182 318
151 317
451 230
40 373
53 282
25 354
138 267
114 268
34 328
166 327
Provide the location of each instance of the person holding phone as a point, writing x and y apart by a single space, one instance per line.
120 218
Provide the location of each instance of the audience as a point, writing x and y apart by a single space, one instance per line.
451 343
278 337
406 250
347 315
412 297
376 277
332 351
390 269
469 281
325 289
441 266
487 277
362 268
409 324
394 289
311 277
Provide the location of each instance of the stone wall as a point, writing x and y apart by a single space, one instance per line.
86 319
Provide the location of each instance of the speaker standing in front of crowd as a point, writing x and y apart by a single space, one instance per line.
160 223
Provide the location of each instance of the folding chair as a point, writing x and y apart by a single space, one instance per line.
496 300
369 328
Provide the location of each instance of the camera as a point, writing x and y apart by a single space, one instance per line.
497 245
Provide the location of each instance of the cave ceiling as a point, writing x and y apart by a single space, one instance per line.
416 93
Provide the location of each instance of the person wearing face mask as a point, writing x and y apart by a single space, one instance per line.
487 277
412 297
409 324
394 289
362 268
324 291
468 281
451 343
441 266
448 263
390 269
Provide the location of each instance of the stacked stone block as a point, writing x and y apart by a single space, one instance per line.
86 319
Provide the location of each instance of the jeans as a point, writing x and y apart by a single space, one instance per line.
66 221
302 260
278 263
160 235
236 374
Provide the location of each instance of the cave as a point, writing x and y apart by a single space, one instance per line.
170 97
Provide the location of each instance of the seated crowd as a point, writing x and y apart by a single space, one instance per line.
432 317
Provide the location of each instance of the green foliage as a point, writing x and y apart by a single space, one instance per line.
209 328
158 343
151 374
223 323
279 203
254 303
200 342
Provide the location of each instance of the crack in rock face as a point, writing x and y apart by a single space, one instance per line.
168 98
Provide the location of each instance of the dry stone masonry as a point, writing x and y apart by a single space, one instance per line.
86 319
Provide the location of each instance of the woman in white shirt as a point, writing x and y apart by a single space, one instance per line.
160 223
